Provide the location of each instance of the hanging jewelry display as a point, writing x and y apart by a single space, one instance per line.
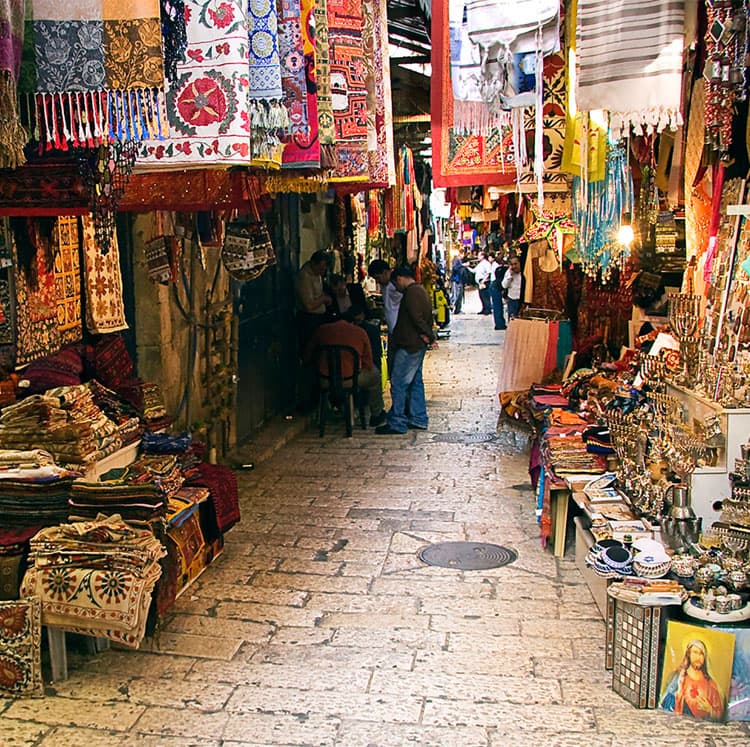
598 210
724 72
106 176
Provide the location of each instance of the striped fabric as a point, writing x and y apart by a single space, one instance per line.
630 58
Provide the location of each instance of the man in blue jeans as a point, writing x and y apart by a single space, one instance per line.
411 336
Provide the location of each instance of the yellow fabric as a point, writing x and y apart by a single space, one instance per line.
572 162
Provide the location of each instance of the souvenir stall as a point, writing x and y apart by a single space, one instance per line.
640 435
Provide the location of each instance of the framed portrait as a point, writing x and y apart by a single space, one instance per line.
696 671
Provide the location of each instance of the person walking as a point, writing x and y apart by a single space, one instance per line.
457 283
411 336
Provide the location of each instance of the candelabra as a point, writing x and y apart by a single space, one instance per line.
684 316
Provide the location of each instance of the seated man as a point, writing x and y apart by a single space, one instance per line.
344 295
342 332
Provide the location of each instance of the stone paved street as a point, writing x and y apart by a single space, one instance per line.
319 626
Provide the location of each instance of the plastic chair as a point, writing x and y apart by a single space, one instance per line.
334 386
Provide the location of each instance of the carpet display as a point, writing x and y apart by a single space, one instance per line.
37 331
68 279
222 484
20 648
95 576
105 308
469 160
348 90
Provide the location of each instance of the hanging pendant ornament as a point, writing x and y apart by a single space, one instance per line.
724 72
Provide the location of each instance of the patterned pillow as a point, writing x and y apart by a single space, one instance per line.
20 648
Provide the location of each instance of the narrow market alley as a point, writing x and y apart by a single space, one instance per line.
320 626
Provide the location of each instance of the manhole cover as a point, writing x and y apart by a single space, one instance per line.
467 556
464 438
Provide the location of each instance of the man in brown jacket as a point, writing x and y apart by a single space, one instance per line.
411 336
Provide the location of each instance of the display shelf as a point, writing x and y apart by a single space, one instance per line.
120 458
710 485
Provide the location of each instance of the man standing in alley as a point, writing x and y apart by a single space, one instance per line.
483 276
411 336
512 283
380 270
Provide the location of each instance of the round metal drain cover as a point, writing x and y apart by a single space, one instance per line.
465 438
467 556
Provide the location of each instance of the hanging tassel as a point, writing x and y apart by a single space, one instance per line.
87 123
81 131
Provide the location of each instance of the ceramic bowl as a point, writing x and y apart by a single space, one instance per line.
652 570
684 565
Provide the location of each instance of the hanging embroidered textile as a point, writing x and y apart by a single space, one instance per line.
297 49
461 160
380 144
268 115
200 189
348 90
494 44
68 279
640 91
21 648
208 105
94 68
37 331
326 133
105 308
13 137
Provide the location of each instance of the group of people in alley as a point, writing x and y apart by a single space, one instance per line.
498 284
336 313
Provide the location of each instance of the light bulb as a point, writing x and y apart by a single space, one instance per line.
625 235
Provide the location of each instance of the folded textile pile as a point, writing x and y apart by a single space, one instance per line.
34 495
120 412
95 577
568 455
139 493
65 421
222 483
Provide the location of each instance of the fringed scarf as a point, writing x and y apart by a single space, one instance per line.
13 137
630 62
94 71
268 115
